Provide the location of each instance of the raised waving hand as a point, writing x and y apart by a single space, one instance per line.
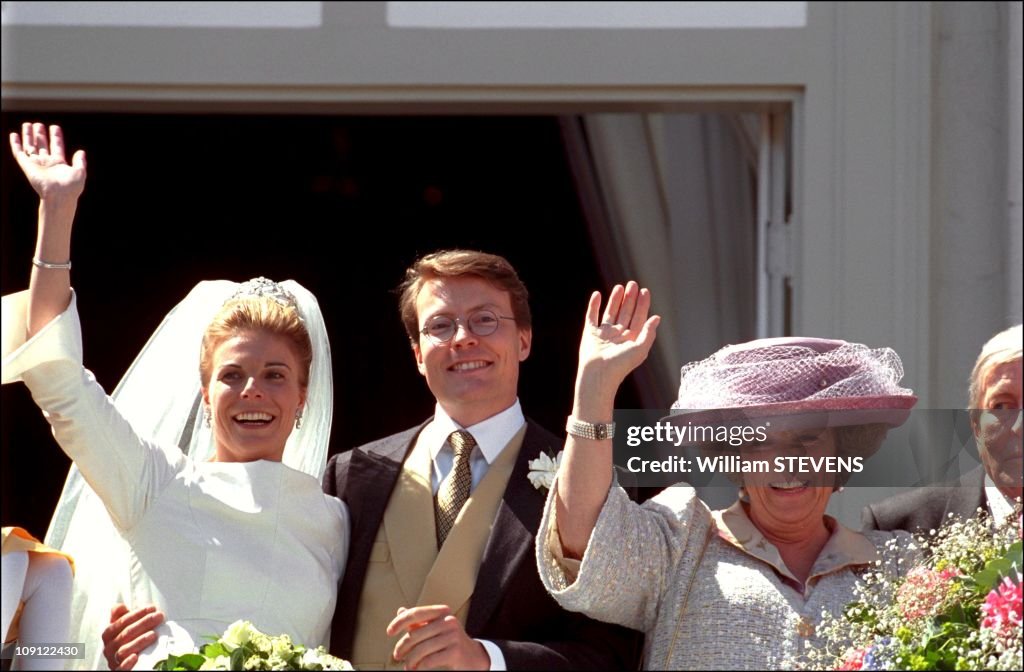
40 152
611 346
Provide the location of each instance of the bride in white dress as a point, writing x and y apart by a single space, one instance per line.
207 465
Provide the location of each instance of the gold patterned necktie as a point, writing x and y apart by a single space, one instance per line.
454 491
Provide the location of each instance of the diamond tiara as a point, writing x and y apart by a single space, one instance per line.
265 287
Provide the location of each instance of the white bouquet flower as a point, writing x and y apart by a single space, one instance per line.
243 647
543 470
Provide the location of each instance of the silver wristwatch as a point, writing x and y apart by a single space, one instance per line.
595 431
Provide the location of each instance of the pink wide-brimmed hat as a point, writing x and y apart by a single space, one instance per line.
794 382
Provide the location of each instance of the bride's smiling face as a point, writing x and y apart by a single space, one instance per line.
254 394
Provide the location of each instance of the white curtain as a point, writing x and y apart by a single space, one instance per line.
671 202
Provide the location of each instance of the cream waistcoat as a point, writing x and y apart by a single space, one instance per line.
406 569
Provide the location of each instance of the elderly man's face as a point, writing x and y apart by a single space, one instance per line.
997 427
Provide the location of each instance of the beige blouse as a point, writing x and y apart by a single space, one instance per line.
706 588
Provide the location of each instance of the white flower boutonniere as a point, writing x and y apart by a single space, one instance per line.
543 469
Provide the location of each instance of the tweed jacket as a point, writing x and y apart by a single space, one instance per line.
673 570
509 605
924 509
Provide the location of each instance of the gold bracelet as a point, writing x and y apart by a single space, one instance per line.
66 266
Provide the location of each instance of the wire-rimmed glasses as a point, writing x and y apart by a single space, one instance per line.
441 328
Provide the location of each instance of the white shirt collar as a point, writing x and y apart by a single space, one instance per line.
491 435
999 505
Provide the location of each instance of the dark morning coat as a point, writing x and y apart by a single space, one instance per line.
926 508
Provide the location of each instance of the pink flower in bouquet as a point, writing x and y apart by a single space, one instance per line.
1003 607
923 591
854 660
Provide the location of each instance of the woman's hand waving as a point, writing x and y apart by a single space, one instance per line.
40 153
41 156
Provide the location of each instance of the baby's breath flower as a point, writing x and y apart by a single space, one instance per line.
934 603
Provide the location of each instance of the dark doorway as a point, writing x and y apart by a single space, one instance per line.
341 204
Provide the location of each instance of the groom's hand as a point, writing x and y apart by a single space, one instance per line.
432 638
129 633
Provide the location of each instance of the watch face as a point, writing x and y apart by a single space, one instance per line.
601 431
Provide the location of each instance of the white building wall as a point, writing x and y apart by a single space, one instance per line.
970 145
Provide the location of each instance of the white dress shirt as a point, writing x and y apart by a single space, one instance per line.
999 505
491 436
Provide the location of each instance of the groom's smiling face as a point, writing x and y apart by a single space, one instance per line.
473 377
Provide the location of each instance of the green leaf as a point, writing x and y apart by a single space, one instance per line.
986 580
188 661
1015 554
957 617
238 658
215 649
995 569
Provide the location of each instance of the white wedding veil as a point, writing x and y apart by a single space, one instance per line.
160 396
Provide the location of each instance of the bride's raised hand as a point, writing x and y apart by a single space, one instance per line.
619 341
41 155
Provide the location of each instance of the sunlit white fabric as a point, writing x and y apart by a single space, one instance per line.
207 542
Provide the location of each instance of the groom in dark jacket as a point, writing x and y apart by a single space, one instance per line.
441 571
